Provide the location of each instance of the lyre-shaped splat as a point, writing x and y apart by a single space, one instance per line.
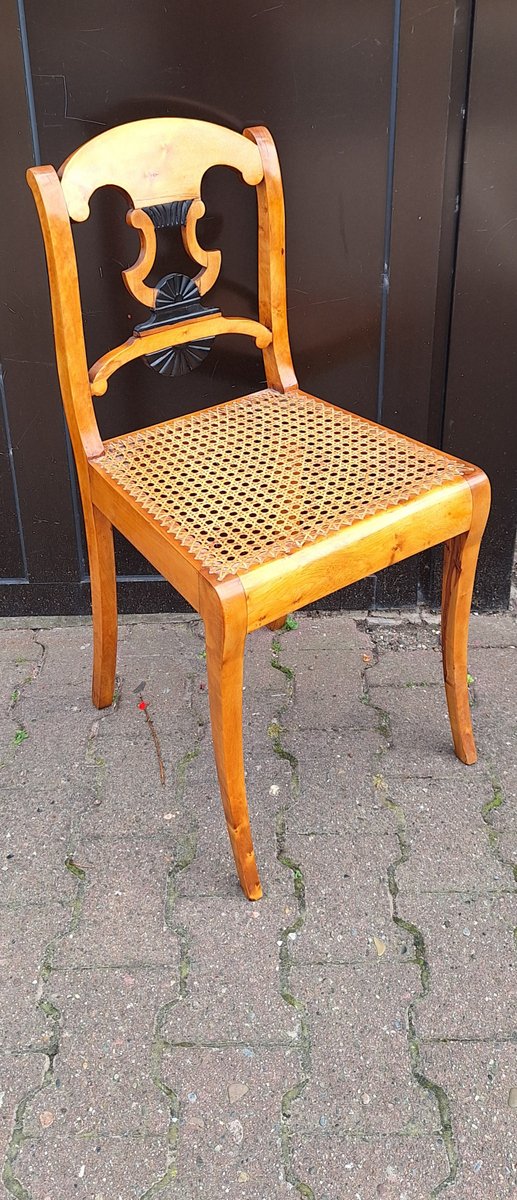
185 213
209 260
176 297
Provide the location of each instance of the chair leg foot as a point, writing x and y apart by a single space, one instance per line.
278 624
459 569
104 607
224 614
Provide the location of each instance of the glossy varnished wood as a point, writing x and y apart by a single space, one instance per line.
101 556
223 609
271 263
359 550
150 340
154 161
160 161
459 569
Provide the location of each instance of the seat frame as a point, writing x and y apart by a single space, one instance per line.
454 513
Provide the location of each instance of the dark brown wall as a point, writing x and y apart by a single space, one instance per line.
364 101
481 408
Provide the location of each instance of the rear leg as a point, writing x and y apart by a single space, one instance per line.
459 569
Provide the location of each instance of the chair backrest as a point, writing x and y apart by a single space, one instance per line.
159 165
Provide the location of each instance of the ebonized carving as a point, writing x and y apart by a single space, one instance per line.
177 299
167 216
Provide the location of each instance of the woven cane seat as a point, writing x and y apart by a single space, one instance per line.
258 477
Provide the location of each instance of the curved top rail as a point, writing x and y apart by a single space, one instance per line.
155 161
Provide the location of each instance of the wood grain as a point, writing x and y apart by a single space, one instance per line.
103 584
223 609
154 161
209 260
459 569
133 277
370 545
271 263
157 161
149 340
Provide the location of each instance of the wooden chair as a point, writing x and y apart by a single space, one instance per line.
256 507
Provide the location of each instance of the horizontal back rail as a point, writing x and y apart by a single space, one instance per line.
166 337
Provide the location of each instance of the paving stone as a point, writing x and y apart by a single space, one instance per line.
233 984
411 669
17 646
503 816
122 914
101 1168
158 640
507 849
65 656
328 691
336 792
126 798
469 944
477 1079
259 675
418 738
335 632
36 832
447 839
20 1074
234 1145
20 661
360 1079
326 658
212 871
26 934
495 708
125 794
53 753
492 629
101 1082
346 897
392 1168
160 905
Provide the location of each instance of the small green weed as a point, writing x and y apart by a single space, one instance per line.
20 736
290 622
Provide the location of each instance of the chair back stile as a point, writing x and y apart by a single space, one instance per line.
66 313
159 165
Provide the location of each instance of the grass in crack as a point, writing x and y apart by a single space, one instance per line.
12 1183
170 1095
52 1014
383 717
275 731
186 854
415 1055
21 734
494 835
276 649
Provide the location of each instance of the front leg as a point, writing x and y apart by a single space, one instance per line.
224 613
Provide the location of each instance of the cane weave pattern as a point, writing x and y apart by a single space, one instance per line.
256 478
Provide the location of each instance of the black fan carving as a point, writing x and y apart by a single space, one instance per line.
177 299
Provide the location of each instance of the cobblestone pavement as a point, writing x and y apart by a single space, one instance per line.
353 1035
